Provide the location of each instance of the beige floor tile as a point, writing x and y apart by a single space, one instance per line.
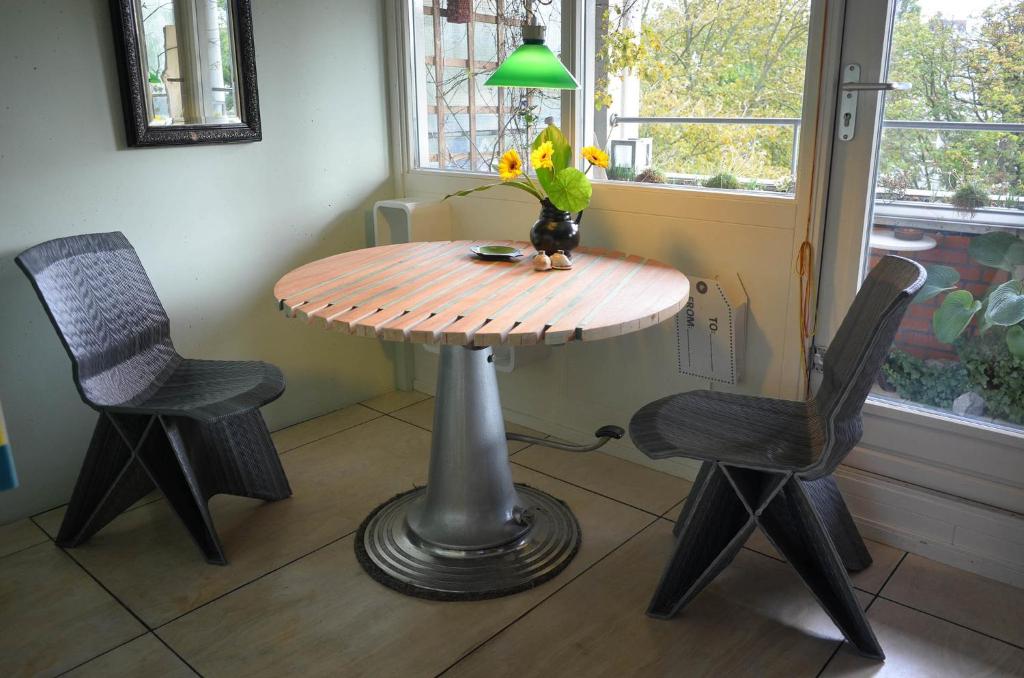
323 616
395 400
20 535
884 560
918 645
321 427
611 476
982 604
146 558
51 520
673 513
422 414
755 619
54 616
145 656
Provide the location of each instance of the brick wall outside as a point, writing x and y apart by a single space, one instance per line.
915 335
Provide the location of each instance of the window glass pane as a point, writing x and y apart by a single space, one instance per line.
467 126
728 74
949 195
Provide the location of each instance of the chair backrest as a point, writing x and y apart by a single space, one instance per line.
107 314
855 355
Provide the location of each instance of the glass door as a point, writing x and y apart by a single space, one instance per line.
928 163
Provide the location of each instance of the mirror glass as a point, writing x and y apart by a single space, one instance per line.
189 61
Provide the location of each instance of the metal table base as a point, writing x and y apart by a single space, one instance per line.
470 533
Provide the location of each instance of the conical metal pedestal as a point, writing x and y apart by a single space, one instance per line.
471 533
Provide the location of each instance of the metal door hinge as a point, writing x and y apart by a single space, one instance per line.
817 358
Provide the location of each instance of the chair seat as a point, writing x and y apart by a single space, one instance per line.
208 390
762 433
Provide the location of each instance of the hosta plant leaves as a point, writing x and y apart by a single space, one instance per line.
940 278
1006 304
998 249
953 316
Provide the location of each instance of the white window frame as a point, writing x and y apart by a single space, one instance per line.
578 40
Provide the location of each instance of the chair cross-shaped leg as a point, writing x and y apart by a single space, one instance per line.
129 455
111 480
725 506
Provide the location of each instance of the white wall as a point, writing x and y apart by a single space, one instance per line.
216 226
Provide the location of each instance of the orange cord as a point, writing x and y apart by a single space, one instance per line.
805 257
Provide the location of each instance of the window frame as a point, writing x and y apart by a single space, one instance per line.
579 22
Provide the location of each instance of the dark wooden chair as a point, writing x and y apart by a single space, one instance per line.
768 463
192 428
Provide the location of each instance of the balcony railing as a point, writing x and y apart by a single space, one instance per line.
1011 127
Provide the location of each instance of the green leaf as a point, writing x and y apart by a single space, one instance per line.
570 190
984 324
546 177
562 156
953 316
1015 341
940 278
998 249
1006 304
514 184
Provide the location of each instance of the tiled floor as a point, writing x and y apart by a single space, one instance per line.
137 600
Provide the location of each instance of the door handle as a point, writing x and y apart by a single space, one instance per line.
876 86
850 87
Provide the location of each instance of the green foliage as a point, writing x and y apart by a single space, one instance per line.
998 249
1015 341
722 180
1006 304
894 184
970 198
954 315
959 76
995 373
651 176
721 58
746 58
1003 303
570 190
930 382
616 173
562 157
940 279
566 187
626 51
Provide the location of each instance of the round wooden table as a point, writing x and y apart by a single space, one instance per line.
471 532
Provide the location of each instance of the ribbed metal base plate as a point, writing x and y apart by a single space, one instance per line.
392 554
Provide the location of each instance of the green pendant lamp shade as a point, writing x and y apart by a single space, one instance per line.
533 66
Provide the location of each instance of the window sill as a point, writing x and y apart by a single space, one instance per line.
941 217
738 207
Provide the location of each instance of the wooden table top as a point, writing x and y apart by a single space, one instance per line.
438 292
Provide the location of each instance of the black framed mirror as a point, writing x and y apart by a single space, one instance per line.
187 71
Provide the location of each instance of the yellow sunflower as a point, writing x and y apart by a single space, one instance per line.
543 156
595 156
510 166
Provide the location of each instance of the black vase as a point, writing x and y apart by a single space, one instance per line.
555 230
